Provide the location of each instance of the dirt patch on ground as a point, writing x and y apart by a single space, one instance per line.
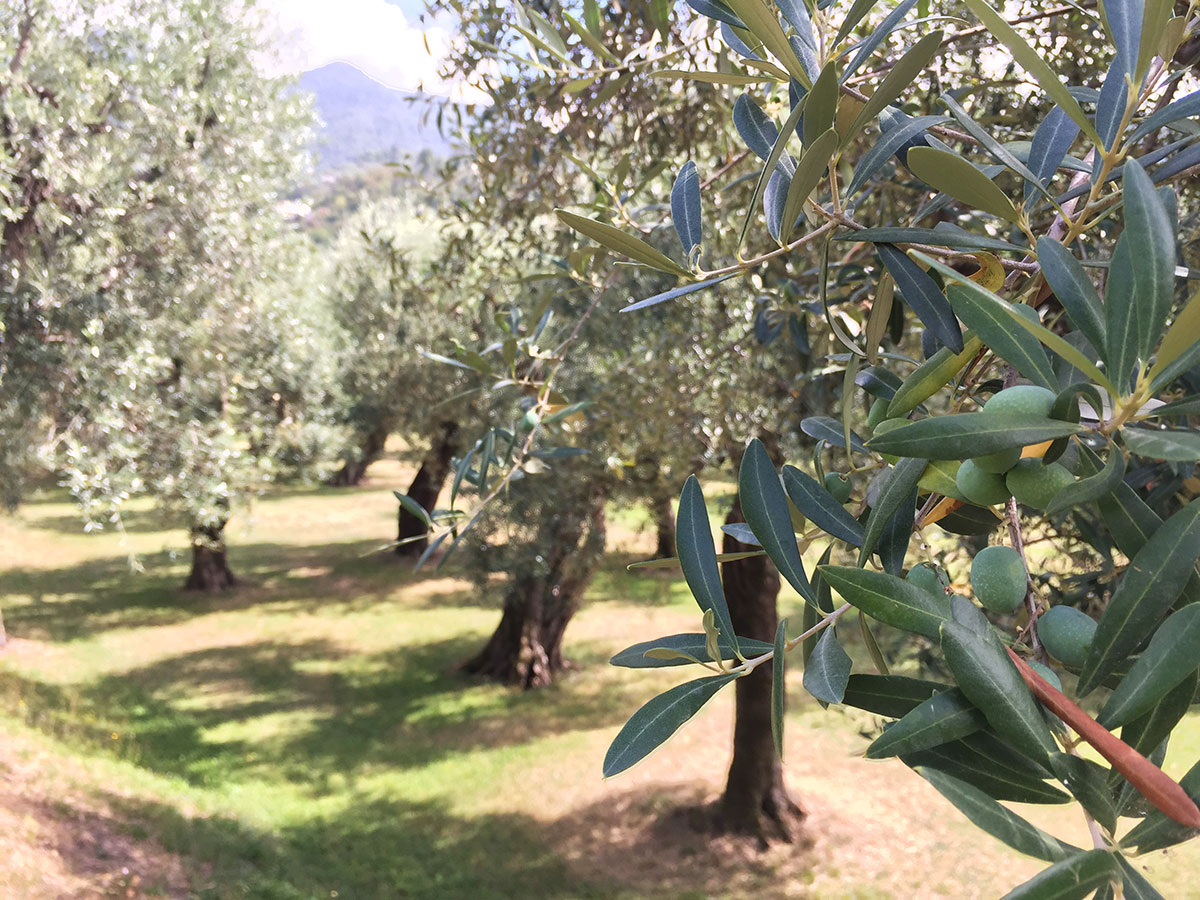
57 843
661 843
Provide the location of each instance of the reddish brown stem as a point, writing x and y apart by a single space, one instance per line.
1153 783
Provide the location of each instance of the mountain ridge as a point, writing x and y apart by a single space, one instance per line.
366 121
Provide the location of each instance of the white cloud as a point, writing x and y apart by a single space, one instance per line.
372 35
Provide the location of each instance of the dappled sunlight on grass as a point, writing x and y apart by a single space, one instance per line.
311 732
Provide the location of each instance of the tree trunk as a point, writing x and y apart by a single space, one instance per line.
210 569
354 470
425 488
3 633
664 524
526 647
755 801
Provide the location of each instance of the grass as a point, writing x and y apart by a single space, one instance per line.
309 735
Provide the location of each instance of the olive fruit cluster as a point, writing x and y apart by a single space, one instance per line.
997 578
999 582
991 479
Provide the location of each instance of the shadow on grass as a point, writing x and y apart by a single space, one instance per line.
133 521
367 848
304 713
612 582
103 594
99 595
653 841
648 586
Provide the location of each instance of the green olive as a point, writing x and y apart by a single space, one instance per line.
1036 485
980 487
1066 633
889 425
1023 399
838 486
999 462
883 428
998 578
930 578
1046 672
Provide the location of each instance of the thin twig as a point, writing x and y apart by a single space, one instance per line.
1031 602
936 129
751 664
1020 20
758 260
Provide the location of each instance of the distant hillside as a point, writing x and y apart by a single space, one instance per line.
364 121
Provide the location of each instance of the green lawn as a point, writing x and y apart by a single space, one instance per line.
309 736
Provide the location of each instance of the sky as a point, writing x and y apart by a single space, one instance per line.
383 38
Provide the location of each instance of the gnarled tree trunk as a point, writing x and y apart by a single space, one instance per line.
354 469
526 648
755 801
425 488
210 568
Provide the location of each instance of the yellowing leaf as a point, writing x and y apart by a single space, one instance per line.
991 272
951 173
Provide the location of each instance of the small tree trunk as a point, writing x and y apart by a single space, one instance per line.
755 801
664 524
354 470
425 488
526 647
3 633
210 569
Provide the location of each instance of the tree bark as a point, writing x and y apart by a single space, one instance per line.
755 801
210 568
354 470
526 647
664 525
425 488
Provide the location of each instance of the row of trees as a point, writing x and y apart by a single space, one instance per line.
169 332
150 345
166 330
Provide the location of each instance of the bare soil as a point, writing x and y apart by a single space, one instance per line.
59 843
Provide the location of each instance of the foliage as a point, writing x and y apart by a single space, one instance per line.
325 204
160 333
648 424
390 306
984 228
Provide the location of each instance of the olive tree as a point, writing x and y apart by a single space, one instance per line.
1047 393
385 316
686 403
146 262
